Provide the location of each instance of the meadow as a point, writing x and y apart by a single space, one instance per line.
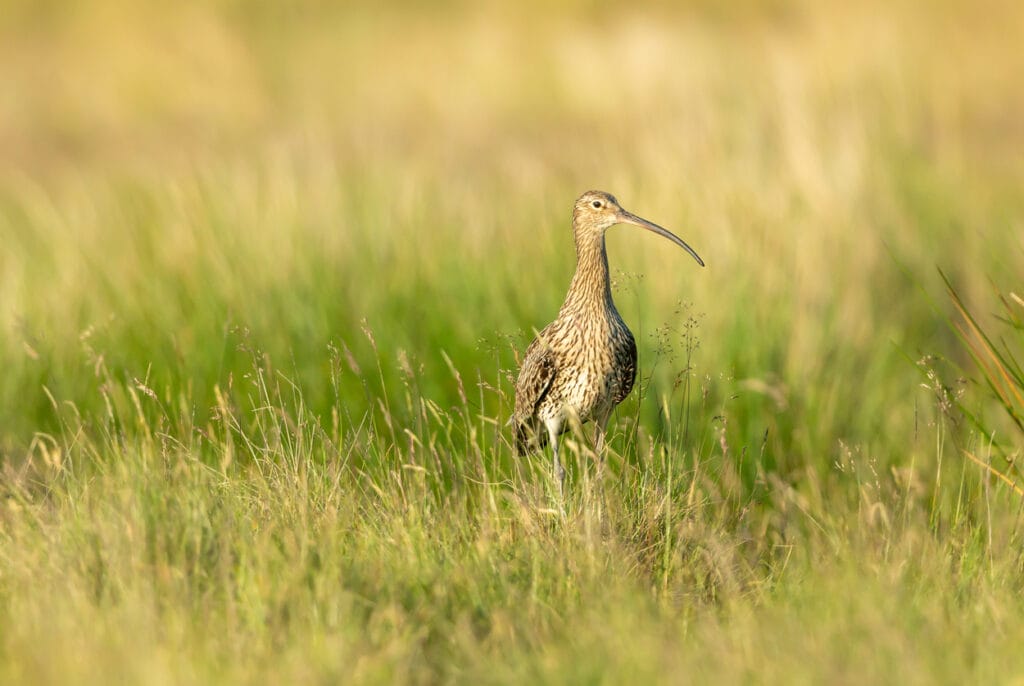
266 269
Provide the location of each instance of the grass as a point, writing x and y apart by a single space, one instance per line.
266 273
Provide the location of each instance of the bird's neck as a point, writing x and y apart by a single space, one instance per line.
590 290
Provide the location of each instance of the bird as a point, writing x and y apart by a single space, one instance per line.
583 364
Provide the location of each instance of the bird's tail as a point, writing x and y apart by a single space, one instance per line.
529 439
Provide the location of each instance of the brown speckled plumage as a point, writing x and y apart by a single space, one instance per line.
582 364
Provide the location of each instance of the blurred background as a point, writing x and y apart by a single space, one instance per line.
266 268
185 184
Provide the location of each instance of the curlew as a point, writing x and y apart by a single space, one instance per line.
583 364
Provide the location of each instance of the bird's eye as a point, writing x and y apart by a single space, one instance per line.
596 204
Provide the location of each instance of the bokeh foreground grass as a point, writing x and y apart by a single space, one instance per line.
265 271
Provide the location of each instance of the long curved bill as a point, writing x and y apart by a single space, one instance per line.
630 218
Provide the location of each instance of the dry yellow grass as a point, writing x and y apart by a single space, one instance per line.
264 267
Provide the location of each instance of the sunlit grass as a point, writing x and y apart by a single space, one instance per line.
265 274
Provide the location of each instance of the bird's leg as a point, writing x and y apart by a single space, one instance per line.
554 428
600 429
559 470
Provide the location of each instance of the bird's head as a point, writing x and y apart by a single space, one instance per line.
596 211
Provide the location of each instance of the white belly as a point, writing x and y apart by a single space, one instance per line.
588 391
